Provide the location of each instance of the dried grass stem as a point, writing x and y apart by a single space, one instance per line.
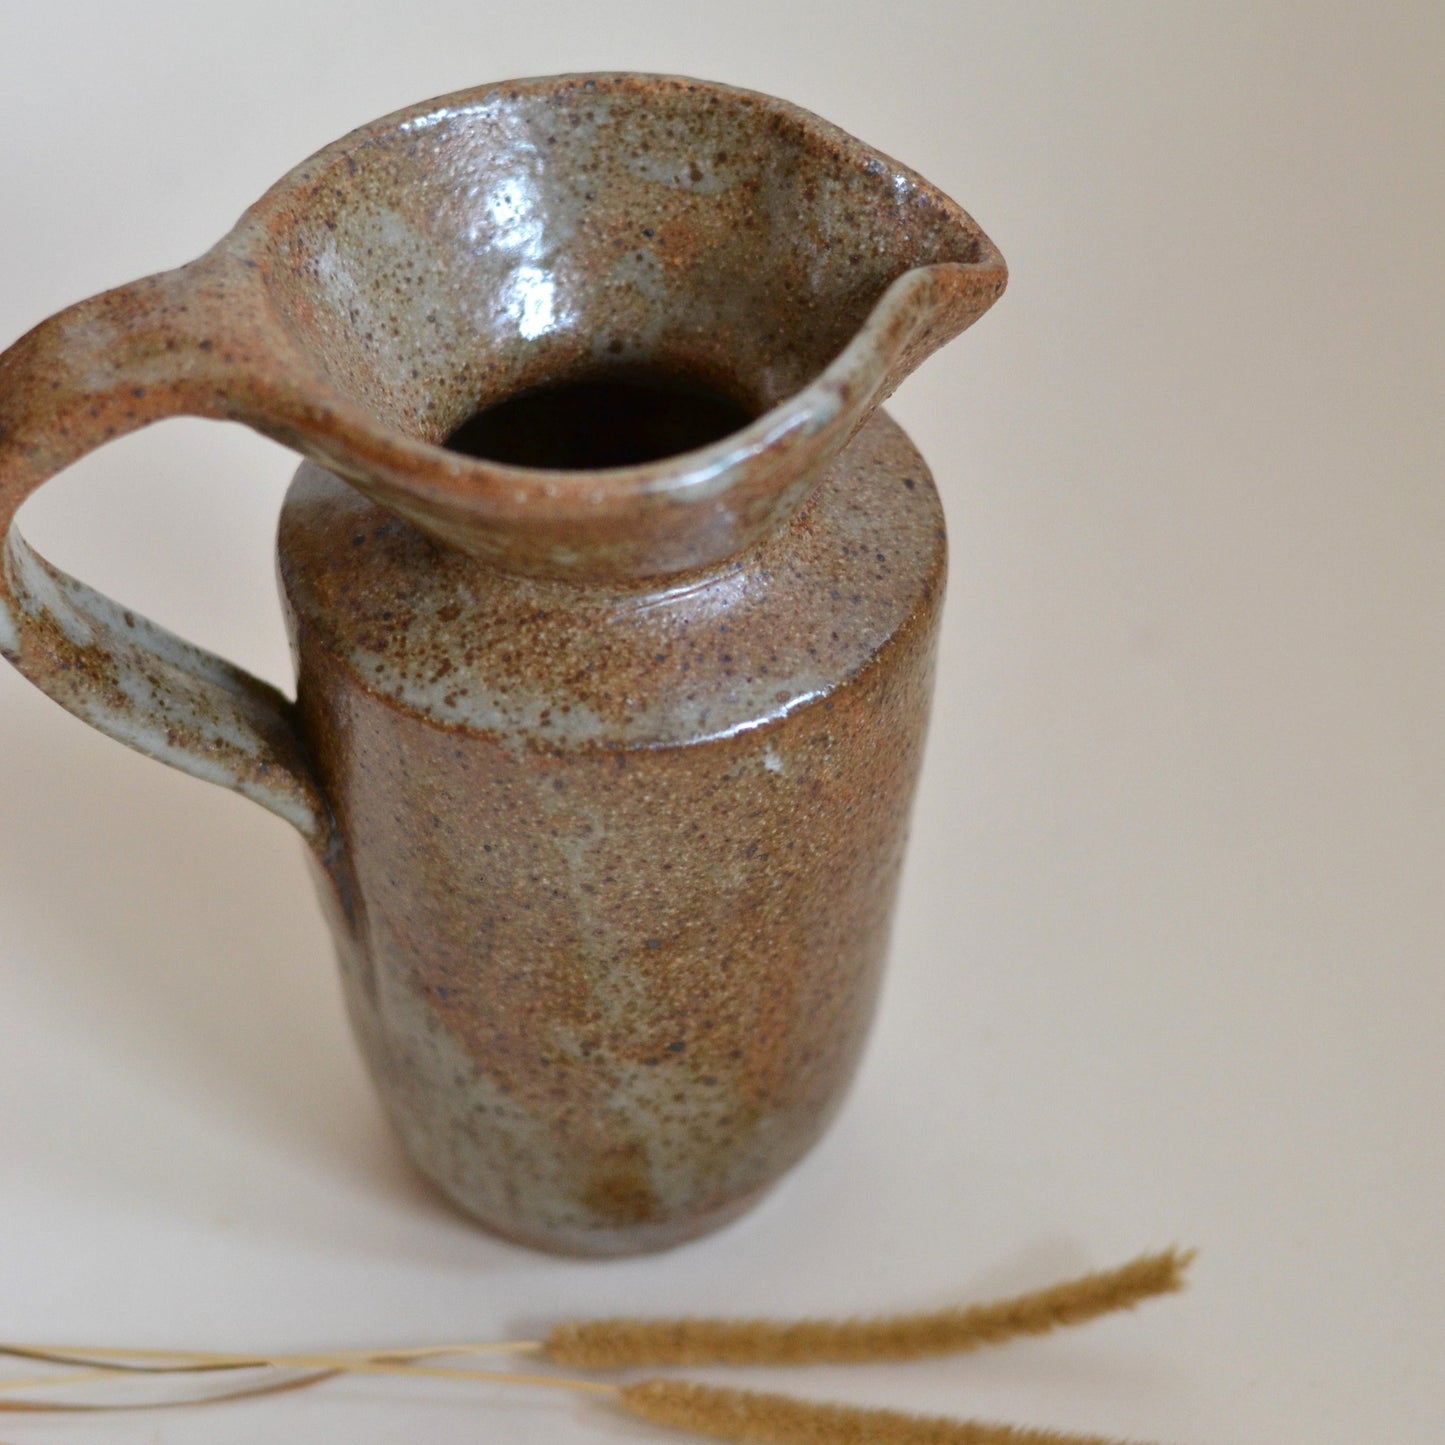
752 1418
618 1343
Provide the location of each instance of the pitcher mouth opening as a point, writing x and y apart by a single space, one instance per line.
613 418
450 276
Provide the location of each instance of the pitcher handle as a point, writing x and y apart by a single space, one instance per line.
167 345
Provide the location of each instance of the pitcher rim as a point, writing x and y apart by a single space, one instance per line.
342 436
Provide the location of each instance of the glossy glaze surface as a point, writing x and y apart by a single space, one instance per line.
620 862
555 229
606 772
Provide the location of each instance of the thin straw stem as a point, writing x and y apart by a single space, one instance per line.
111 1365
383 1366
421 1352
324 1366
44 1382
172 1361
245 1392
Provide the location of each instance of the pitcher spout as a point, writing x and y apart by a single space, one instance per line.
597 231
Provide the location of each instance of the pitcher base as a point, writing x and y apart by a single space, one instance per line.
620 1241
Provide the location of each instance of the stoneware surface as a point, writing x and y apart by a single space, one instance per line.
1165 963
606 773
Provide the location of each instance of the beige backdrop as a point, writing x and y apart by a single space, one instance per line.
1168 965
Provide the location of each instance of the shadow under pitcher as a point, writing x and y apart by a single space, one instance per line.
613 597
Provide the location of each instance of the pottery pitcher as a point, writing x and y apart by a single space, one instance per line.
613 598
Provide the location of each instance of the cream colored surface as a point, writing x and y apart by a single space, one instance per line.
1169 959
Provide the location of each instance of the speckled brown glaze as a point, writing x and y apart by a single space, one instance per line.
605 773
622 860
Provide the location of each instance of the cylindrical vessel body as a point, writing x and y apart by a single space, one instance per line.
617 862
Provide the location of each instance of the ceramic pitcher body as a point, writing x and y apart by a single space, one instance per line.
613 599
620 861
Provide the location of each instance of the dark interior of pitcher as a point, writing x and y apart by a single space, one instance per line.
709 246
616 419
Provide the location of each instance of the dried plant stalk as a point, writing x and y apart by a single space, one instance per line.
47 1382
176 1362
752 1418
746 1417
320 1367
122 1362
618 1343
243 1392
